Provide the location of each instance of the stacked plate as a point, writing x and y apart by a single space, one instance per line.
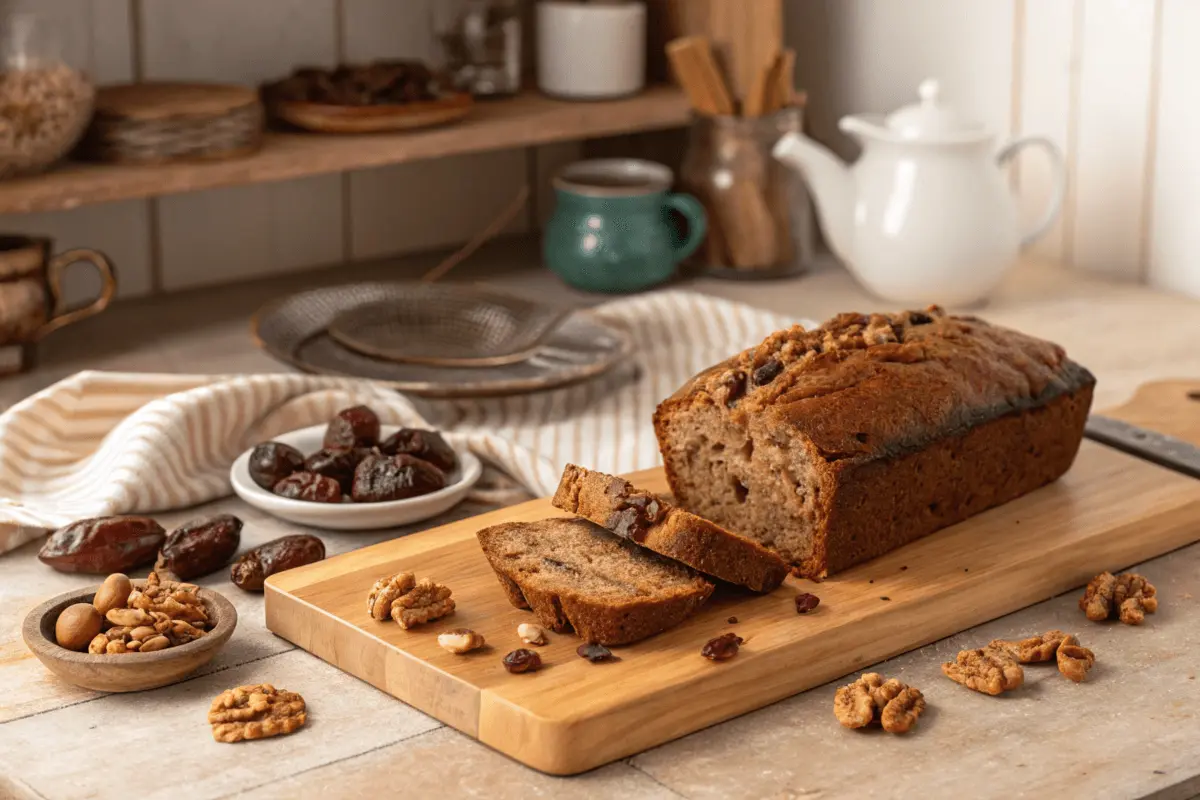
438 340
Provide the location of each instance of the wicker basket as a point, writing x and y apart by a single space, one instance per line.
158 123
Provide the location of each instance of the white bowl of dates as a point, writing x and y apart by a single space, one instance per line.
355 474
98 653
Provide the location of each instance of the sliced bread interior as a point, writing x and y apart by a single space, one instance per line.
576 575
642 517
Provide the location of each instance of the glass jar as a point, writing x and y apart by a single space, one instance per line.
45 103
481 44
761 222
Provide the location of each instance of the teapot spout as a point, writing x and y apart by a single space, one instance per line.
829 179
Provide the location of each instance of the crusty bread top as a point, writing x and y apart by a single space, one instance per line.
647 519
864 386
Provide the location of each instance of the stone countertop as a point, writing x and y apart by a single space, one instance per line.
1131 731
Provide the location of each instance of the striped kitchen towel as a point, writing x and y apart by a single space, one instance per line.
101 443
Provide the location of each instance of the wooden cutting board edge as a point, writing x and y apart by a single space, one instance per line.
566 740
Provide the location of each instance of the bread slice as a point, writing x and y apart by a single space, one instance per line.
574 574
642 517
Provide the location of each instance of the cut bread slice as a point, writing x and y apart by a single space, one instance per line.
576 575
644 518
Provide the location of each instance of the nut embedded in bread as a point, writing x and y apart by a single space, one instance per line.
575 575
839 444
642 517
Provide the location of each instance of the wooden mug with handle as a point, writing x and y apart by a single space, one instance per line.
32 302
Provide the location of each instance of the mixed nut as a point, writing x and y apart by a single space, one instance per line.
354 465
125 619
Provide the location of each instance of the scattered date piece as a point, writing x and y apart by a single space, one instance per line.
596 653
522 660
252 569
103 545
806 602
722 648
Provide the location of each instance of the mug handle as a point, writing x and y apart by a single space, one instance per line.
697 219
1057 167
62 316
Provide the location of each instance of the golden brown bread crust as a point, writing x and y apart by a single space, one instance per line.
910 422
641 517
563 604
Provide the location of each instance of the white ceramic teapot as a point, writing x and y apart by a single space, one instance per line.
925 215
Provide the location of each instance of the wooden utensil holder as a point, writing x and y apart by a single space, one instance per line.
760 213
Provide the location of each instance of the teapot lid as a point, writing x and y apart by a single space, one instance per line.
930 121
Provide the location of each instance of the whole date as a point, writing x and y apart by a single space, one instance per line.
103 545
352 427
425 445
252 568
380 478
200 546
271 462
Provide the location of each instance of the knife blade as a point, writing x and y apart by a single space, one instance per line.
1159 448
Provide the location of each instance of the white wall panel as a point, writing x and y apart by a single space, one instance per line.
1175 224
1045 108
1111 144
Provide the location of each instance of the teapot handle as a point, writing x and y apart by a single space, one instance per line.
1059 181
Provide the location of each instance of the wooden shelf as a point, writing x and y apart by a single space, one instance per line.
530 119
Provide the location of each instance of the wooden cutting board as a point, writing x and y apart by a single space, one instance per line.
1109 512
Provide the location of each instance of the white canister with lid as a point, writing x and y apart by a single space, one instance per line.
591 51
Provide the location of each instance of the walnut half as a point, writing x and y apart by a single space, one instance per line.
871 699
425 602
985 670
1127 596
255 712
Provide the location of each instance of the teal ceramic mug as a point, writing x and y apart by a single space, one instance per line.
612 231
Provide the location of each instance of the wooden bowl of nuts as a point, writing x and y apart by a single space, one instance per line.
128 636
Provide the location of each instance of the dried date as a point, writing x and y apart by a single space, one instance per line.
336 464
271 462
254 567
352 427
380 478
310 487
722 648
425 445
200 546
522 660
103 545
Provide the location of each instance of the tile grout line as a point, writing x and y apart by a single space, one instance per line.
629 763
410 737
291 649
1153 110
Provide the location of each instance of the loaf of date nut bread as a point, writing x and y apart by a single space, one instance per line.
835 445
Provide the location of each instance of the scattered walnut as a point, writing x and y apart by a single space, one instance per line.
425 602
1074 660
985 670
255 712
1032 650
871 699
901 712
385 591
460 640
1128 596
532 634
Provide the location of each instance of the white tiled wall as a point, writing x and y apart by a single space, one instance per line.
1113 81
